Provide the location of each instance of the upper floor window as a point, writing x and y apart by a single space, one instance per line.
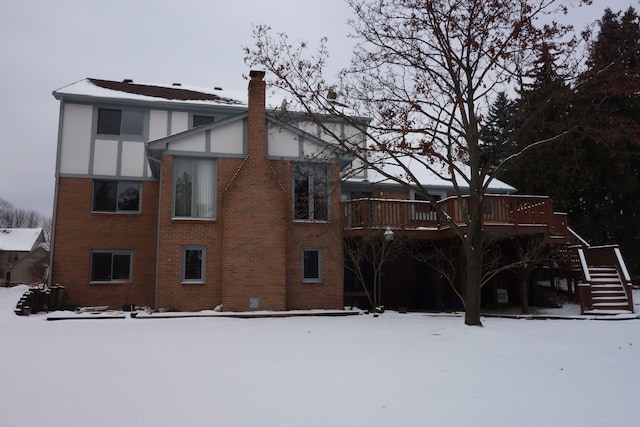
111 266
200 120
311 192
12 257
116 196
120 122
194 186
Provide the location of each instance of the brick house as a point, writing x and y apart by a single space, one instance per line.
186 199
183 198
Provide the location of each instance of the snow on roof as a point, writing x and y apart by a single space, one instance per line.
130 90
423 175
19 239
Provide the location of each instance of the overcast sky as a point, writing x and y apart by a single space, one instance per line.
47 44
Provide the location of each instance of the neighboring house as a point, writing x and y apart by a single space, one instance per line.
24 256
181 198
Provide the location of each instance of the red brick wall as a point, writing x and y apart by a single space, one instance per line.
174 234
327 294
253 248
78 231
253 210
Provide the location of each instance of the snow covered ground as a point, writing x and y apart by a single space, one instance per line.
393 370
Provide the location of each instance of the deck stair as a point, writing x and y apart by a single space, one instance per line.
607 285
607 291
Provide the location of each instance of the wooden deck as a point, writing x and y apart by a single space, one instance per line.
503 214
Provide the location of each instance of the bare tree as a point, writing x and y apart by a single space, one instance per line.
519 254
375 248
441 256
425 72
12 217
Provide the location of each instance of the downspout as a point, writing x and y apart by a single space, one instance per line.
155 302
53 232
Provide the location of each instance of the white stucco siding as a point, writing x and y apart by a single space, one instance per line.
195 143
331 133
179 122
157 124
105 157
353 135
228 139
75 144
282 143
310 127
312 150
132 162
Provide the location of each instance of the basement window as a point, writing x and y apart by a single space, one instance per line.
311 265
193 264
111 266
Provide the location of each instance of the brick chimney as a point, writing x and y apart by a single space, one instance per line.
257 131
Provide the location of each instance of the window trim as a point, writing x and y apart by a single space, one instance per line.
118 182
183 265
194 210
311 202
193 116
318 251
112 252
121 134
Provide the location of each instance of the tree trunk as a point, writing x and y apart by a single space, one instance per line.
473 278
473 251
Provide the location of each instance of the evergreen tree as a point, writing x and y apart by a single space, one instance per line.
541 112
608 208
593 174
498 131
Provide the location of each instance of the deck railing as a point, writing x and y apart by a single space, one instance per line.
415 214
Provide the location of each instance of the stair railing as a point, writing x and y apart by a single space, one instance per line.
584 289
626 278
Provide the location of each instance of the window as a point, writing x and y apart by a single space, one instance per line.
311 192
12 257
114 266
202 120
116 196
120 122
424 211
311 265
193 264
194 188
